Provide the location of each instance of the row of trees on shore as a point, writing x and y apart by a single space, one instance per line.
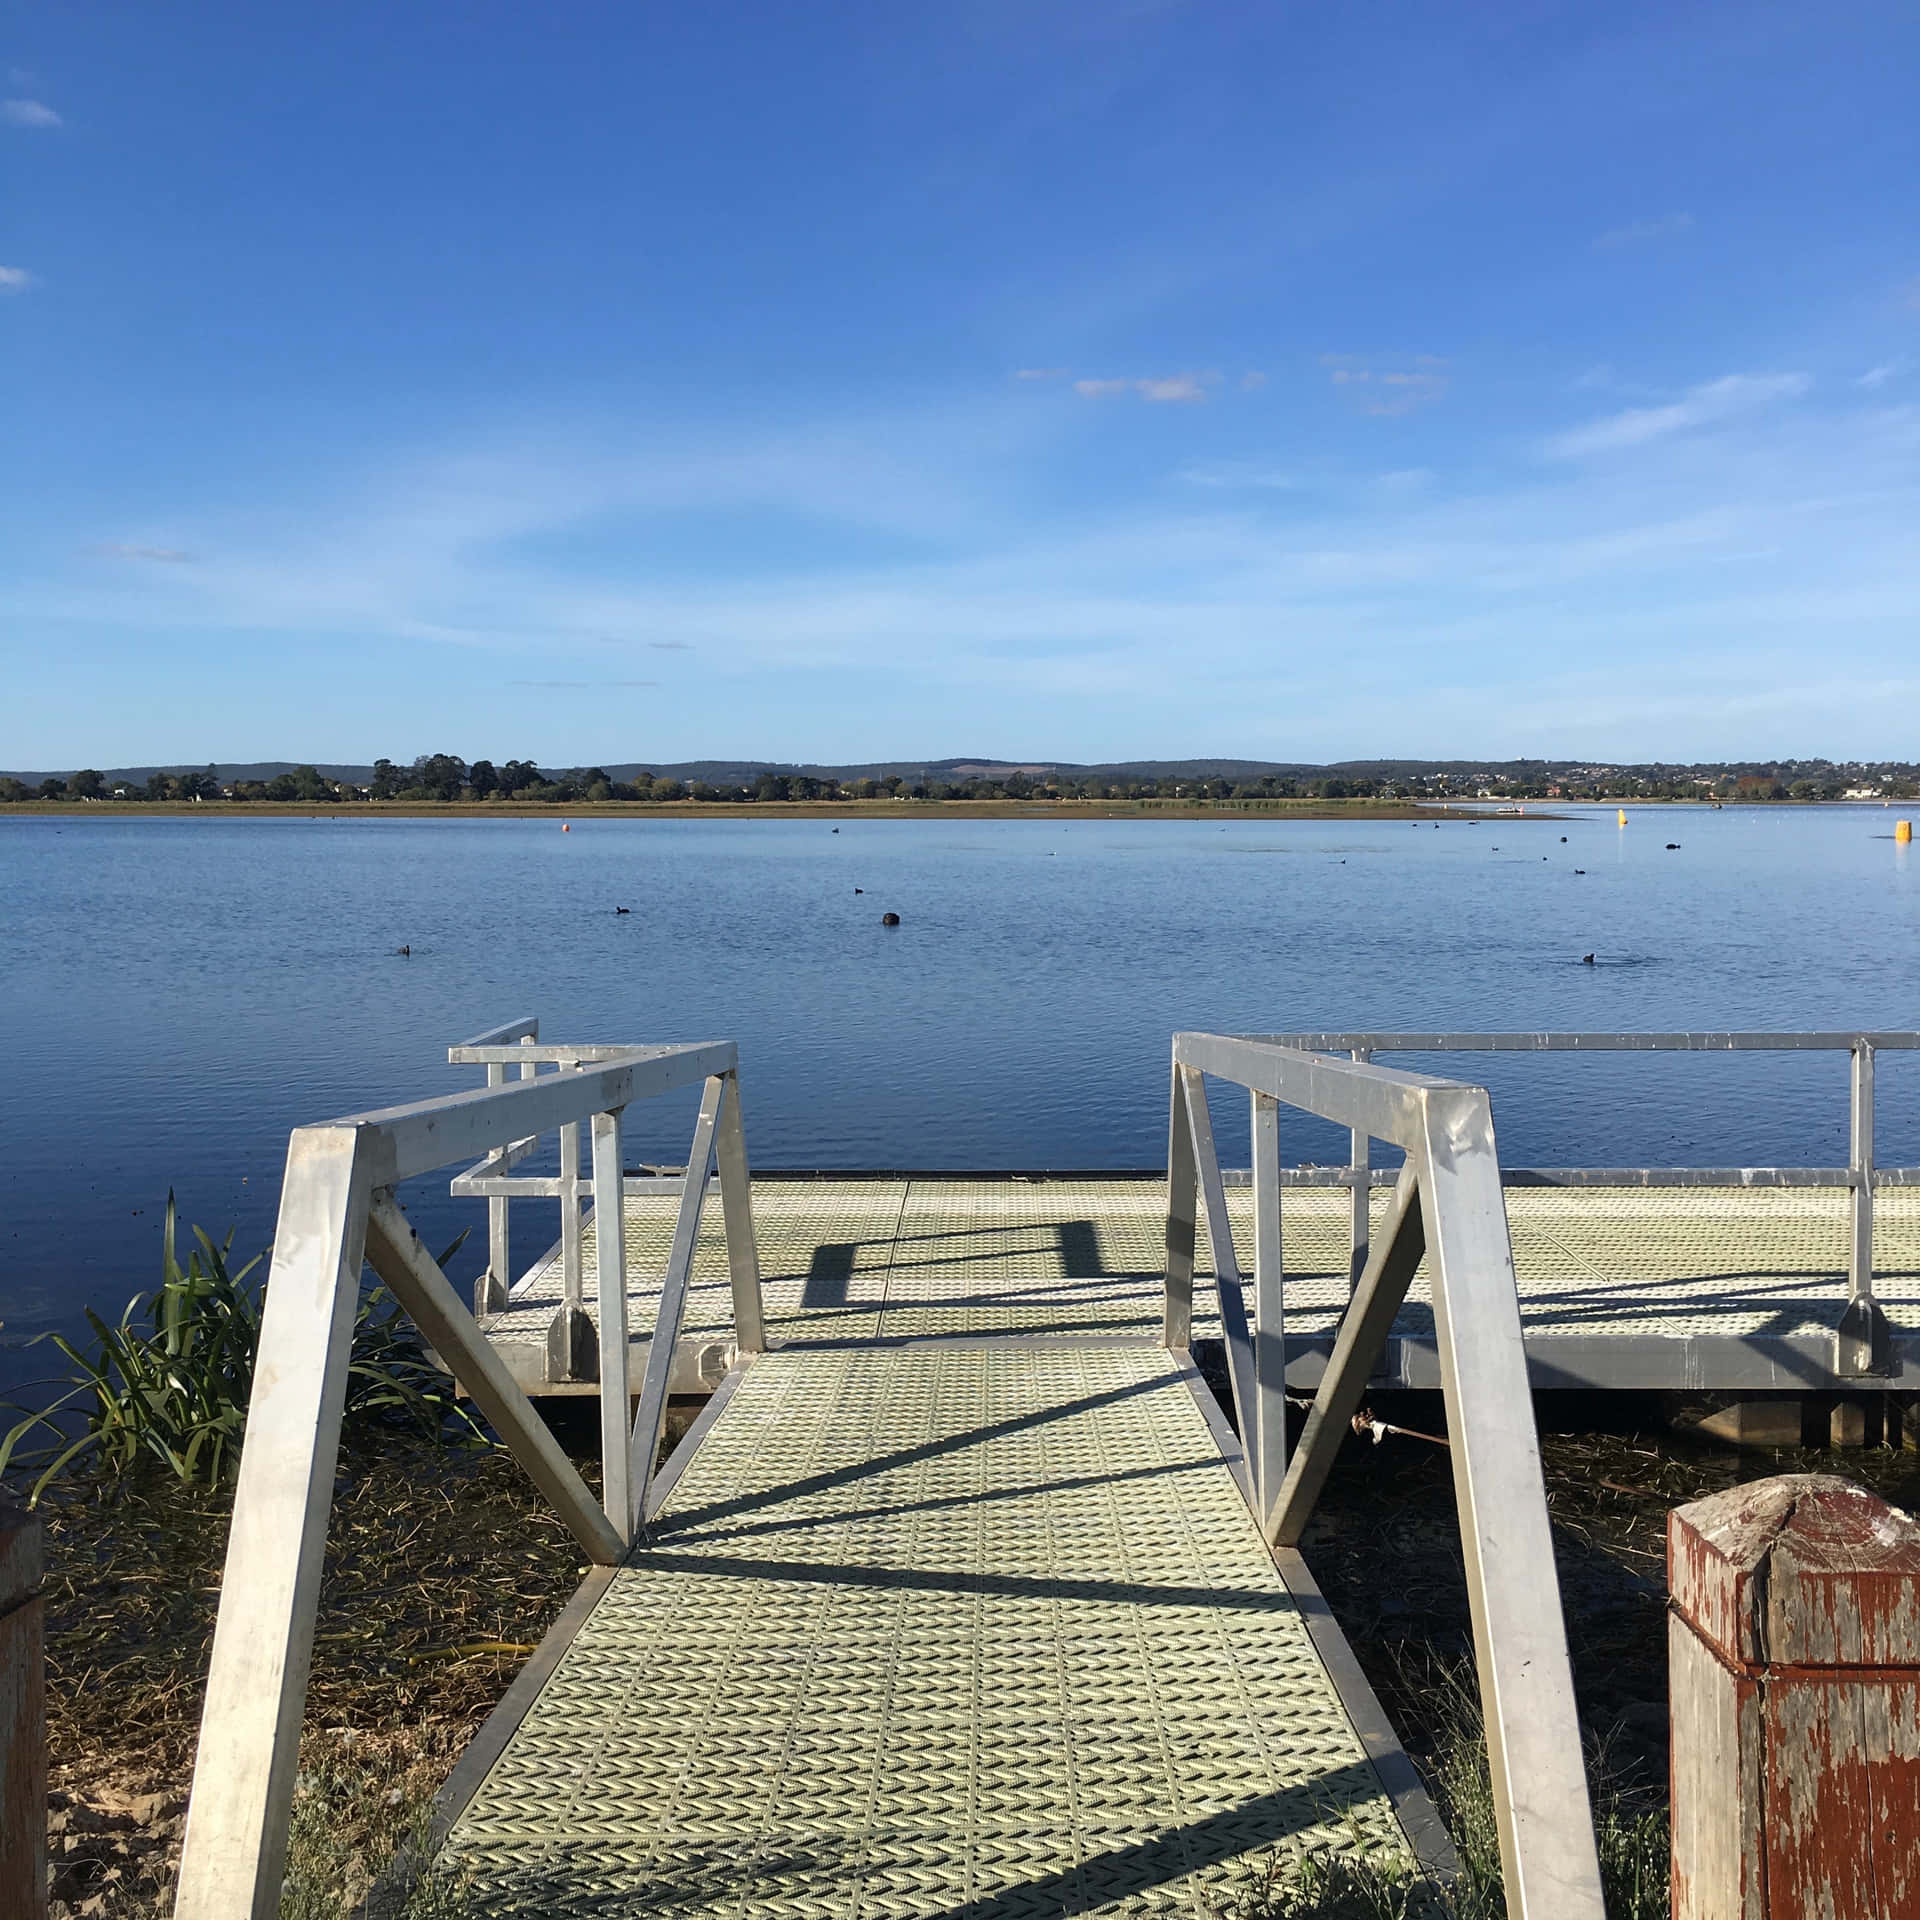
446 779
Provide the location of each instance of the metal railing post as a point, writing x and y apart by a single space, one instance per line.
1863 1343
1550 1867
736 1212
235 1848
490 1290
1228 1290
572 1260
1361 1163
1269 1459
1183 1208
573 1347
610 1282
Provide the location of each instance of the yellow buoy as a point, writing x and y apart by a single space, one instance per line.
1623 816
1903 831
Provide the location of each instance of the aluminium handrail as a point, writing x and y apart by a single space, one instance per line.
1862 1337
337 1207
1447 1208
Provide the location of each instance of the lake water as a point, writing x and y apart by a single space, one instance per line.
181 992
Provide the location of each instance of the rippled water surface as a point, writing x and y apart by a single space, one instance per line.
181 992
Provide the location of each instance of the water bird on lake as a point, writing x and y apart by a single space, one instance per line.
859 889
1673 846
1581 871
405 953
1586 960
623 909
889 919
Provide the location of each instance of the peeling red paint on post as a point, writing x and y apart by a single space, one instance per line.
1795 1682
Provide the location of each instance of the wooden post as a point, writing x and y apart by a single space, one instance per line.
1794 1649
23 1718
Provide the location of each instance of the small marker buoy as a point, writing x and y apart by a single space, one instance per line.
1623 815
889 919
1903 832
564 827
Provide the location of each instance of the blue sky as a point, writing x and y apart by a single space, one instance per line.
614 382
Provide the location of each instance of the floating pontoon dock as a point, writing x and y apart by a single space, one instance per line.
961 1596
1697 1288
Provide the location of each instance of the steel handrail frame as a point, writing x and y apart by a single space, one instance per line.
337 1208
1862 1337
1447 1203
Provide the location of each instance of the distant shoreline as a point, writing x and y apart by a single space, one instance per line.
572 810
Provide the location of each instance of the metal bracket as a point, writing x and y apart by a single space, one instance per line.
489 1296
1863 1341
573 1348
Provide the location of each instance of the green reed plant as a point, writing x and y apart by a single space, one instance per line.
167 1386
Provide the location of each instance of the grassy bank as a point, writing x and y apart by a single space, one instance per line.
444 1568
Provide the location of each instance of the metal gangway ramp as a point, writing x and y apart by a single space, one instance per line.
982 1623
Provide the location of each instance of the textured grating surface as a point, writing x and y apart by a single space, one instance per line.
859 1259
930 1629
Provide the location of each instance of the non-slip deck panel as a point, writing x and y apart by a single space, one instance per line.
927 1631
910 1257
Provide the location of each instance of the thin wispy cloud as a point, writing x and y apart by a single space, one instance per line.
1637 231
582 685
1232 473
1252 382
1040 373
15 280
1177 389
121 550
28 113
1716 401
1880 375
671 646
1392 388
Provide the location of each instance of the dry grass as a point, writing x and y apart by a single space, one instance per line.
443 1569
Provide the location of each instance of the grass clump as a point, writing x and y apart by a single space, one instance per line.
1360 1882
167 1386
1365 1883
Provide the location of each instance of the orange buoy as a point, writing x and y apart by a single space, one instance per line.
1623 815
564 827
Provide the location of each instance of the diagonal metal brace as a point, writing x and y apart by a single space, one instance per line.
1363 1334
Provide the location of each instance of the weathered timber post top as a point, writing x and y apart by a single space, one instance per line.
961 1582
1795 1662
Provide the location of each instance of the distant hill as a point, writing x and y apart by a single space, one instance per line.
960 768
